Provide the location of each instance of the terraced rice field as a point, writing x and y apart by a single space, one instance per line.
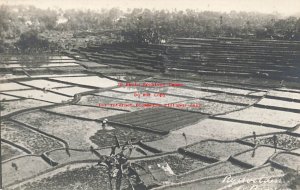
281 94
178 163
232 105
40 95
291 160
92 81
283 141
26 167
70 91
27 138
104 138
223 130
260 115
219 168
77 136
104 102
4 97
18 105
62 157
42 83
127 89
173 141
12 86
84 176
279 103
233 98
210 107
8 151
85 111
226 90
158 119
218 150
257 156
183 92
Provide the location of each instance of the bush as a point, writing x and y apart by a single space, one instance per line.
31 41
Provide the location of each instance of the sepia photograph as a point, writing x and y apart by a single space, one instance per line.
150 94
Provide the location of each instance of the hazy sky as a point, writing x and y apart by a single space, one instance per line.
285 7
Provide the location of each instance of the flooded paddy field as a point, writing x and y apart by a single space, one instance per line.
21 105
284 141
85 111
217 149
8 151
57 109
22 168
27 138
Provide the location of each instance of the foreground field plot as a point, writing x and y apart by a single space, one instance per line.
44 84
279 103
60 156
256 157
216 183
40 95
100 101
85 111
281 94
291 160
4 97
283 141
12 86
226 90
219 168
25 167
27 138
75 132
93 81
8 151
260 115
223 130
18 105
71 91
210 107
217 149
158 119
233 98
149 99
88 176
104 138
173 141
178 163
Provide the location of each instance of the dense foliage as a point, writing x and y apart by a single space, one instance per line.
144 25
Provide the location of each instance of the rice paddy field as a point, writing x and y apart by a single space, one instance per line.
219 150
214 123
8 151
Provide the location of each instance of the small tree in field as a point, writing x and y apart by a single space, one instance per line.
118 167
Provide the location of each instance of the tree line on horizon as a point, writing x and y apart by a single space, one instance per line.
144 25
